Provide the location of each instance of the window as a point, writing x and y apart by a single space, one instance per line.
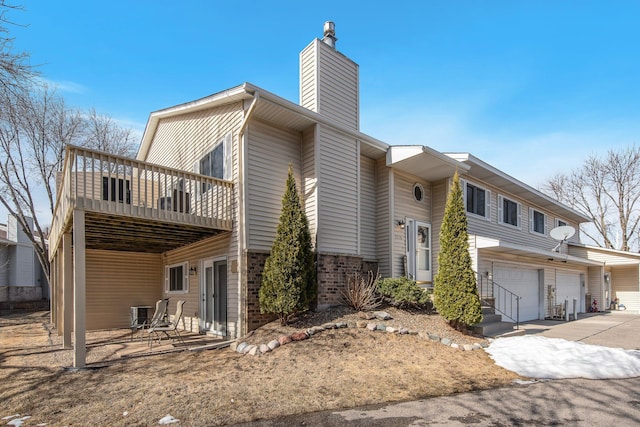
538 221
177 278
508 211
217 162
418 192
477 199
113 190
212 164
560 223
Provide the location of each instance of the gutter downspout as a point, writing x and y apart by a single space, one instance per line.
241 226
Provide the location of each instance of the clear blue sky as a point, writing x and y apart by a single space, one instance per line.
531 87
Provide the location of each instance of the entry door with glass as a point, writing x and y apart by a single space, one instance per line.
419 250
214 296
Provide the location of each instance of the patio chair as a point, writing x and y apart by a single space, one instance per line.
158 319
171 327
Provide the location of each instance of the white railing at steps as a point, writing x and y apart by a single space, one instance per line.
499 298
107 183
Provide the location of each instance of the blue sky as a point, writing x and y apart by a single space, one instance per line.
531 87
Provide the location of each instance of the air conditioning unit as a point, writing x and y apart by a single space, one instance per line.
139 315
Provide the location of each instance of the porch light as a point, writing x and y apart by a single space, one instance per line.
401 223
193 270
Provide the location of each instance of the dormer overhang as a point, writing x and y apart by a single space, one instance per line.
423 162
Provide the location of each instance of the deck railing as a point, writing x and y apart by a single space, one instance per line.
106 183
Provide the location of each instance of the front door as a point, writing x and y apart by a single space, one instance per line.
419 251
214 296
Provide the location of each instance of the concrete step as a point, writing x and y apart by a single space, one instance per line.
493 329
488 310
491 317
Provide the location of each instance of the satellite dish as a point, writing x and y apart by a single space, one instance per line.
561 234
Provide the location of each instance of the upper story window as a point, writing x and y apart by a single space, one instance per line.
537 220
560 223
477 199
176 278
212 164
216 163
508 211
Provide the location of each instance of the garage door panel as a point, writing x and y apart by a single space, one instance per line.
525 284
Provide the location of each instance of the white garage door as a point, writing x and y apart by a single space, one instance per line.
568 287
524 283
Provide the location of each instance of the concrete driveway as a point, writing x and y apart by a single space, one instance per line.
616 329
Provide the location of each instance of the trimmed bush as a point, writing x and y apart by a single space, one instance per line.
404 292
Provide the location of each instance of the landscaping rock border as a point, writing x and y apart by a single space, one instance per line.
257 350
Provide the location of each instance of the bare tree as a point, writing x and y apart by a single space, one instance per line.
15 70
607 190
102 133
35 128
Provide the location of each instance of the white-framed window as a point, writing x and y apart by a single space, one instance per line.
509 211
477 199
537 221
560 223
217 162
176 278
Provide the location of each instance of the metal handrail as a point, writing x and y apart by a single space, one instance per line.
499 298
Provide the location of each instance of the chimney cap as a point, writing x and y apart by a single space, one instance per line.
330 34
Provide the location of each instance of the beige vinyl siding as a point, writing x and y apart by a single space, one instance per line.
329 84
607 256
625 287
368 208
595 280
383 218
117 281
217 246
338 193
406 206
181 141
516 235
308 78
269 152
310 180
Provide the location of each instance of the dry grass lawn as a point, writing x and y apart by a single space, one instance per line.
335 369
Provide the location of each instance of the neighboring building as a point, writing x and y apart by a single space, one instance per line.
193 217
22 278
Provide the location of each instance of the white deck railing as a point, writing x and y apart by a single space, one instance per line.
110 184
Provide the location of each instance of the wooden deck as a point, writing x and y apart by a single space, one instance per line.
137 206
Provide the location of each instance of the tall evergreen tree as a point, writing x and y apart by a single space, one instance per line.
455 291
288 279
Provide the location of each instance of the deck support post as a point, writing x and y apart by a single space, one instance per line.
67 290
79 290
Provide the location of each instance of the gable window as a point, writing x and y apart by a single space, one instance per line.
477 199
176 278
216 163
508 211
418 192
538 220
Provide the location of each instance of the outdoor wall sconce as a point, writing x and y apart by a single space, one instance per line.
192 271
401 223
